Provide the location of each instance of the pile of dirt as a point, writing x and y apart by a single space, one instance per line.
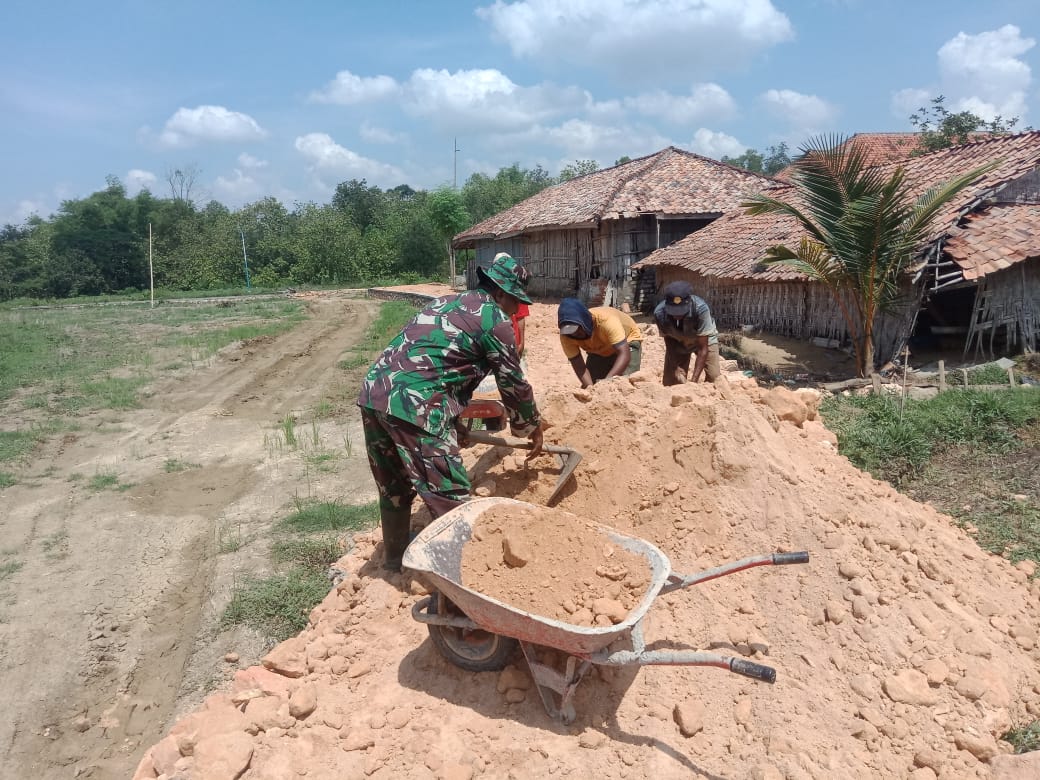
553 564
901 649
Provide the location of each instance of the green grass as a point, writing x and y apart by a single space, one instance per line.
891 445
981 375
1025 738
1006 527
278 606
173 465
393 316
7 479
8 568
107 480
330 516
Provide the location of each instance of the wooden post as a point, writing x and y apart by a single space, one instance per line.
964 376
942 376
875 380
1011 375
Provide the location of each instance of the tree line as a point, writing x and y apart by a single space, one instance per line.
100 244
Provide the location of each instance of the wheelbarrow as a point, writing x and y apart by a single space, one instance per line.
479 633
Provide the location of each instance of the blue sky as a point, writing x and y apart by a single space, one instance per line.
289 99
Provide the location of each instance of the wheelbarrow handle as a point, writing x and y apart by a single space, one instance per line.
753 670
780 559
483 437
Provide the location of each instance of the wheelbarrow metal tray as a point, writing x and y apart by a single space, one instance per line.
437 553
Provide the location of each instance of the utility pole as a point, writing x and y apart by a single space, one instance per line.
245 259
455 164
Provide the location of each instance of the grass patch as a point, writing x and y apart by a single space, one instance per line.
8 568
107 480
174 465
893 445
279 605
1025 738
393 316
7 479
319 517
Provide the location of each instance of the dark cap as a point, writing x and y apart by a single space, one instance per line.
677 297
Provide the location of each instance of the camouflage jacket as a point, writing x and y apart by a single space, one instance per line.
428 373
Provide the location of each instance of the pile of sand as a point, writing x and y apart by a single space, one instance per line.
554 564
901 649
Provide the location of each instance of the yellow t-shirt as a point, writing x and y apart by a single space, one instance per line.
609 326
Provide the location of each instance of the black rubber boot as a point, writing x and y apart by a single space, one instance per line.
395 524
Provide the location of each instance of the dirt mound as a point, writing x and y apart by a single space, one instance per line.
901 649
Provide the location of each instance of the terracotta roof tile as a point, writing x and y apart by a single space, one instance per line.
995 238
734 245
670 182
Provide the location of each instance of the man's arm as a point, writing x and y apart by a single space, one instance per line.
622 357
701 350
581 370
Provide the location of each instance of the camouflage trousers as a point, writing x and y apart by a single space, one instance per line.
406 460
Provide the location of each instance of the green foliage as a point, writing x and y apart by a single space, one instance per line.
860 228
1024 738
940 129
7 479
393 316
770 162
877 438
485 196
578 168
8 568
103 480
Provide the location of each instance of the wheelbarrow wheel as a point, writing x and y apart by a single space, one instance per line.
471 649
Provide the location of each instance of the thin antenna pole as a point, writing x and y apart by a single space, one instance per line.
245 260
455 164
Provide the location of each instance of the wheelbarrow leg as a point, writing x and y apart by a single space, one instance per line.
549 681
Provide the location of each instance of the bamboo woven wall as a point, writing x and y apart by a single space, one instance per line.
1007 307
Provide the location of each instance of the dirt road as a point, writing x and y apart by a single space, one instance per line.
107 629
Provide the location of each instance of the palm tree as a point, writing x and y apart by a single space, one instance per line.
862 226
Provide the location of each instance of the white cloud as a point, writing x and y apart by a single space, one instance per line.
22 211
327 158
985 74
239 187
716 145
680 36
578 139
347 89
485 100
907 101
247 162
209 123
379 135
137 180
705 101
805 114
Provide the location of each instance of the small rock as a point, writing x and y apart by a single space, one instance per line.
861 608
513 678
910 687
231 658
81 723
303 701
850 570
515 696
399 717
689 716
835 612
516 551
592 739
982 747
742 712
359 668
611 608
932 759
936 671
356 740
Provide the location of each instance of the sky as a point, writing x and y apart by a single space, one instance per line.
289 99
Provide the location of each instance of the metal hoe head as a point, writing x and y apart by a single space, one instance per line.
569 458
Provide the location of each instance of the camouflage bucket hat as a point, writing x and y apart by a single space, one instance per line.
504 273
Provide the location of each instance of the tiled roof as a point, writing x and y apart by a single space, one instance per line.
734 245
995 238
876 148
672 182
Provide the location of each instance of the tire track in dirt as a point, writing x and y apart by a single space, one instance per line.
104 619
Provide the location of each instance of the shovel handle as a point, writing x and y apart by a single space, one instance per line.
483 437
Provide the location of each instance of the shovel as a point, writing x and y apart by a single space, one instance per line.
569 458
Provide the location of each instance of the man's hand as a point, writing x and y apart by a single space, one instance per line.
536 442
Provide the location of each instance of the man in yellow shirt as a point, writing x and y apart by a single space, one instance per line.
611 340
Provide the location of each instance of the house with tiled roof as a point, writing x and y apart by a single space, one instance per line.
876 148
583 236
975 280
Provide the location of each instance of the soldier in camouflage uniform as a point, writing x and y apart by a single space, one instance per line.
413 394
